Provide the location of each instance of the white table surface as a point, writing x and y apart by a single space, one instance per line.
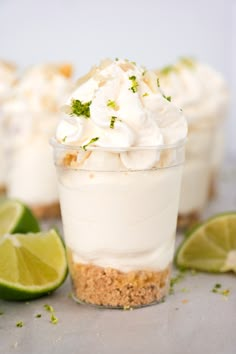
192 320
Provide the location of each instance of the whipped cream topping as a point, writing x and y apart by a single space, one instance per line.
7 79
41 89
197 88
34 106
120 105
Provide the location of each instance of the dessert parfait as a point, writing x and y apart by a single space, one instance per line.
7 81
202 94
31 115
119 152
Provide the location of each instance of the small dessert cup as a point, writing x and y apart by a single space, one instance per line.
31 174
119 224
196 176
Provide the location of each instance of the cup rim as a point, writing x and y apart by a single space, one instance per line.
57 145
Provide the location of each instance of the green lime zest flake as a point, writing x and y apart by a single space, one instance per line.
134 84
48 308
111 104
38 315
167 69
192 271
175 280
145 94
112 123
64 139
168 98
80 109
127 308
158 82
225 292
20 324
54 319
217 290
217 286
84 147
184 290
189 62
116 59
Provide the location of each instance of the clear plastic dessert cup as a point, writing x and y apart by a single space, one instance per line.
31 174
119 224
196 175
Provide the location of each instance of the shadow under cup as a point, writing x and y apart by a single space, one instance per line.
119 223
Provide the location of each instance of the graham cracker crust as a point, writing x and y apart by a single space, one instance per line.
212 192
187 220
49 211
109 287
2 190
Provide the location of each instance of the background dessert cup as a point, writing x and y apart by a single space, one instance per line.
196 176
202 94
7 81
119 224
32 113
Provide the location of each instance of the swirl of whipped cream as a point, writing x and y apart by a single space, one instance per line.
119 105
36 98
198 89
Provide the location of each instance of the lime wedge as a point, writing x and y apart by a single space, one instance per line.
31 265
15 217
210 247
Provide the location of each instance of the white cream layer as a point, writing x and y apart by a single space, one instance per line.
123 220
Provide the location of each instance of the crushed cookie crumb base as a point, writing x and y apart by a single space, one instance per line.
212 191
47 211
2 189
187 220
108 287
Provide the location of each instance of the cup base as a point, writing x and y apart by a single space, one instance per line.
80 302
46 211
2 190
187 220
111 288
212 194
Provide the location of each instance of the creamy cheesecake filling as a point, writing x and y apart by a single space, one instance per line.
110 218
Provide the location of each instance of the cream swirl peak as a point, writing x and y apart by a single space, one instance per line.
197 88
120 105
33 108
41 89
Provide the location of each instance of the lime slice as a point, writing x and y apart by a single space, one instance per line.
210 247
31 265
15 217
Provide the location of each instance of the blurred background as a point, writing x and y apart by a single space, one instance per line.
151 32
